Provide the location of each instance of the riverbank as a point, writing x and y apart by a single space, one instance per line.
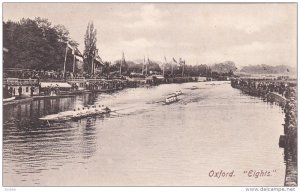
290 130
283 94
94 87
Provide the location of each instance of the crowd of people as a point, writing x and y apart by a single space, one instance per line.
290 125
47 74
33 74
9 91
264 86
33 78
290 130
104 85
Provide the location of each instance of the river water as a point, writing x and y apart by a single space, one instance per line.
146 143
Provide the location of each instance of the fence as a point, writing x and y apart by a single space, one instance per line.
16 81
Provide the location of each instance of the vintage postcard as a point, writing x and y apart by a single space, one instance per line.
149 94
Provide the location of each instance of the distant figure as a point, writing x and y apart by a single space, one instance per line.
31 91
107 109
10 92
20 91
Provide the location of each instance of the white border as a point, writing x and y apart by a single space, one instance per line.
134 189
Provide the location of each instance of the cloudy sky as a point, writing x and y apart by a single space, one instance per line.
199 33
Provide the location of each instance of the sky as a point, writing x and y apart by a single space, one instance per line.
247 34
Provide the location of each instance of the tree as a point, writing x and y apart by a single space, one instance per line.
36 44
224 67
90 47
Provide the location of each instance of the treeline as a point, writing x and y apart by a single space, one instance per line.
267 69
224 67
155 67
37 44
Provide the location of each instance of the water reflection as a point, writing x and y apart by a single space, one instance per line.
32 146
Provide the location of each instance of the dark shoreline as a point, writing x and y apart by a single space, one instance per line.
92 90
289 140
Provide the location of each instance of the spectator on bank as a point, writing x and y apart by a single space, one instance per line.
282 88
31 91
10 92
20 91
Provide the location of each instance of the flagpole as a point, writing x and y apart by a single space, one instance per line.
183 68
121 64
143 66
92 70
73 63
147 66
93 63
164 66
121 67
65 60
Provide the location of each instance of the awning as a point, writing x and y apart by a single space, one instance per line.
156 76
55 84
160 77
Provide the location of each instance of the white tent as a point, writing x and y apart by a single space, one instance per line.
55 84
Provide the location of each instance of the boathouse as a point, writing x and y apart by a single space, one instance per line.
16 87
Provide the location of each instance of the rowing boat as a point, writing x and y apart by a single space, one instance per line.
77 113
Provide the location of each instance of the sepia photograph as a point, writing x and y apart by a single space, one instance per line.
149 95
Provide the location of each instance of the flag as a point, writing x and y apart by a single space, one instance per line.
123 57
165 59
174 60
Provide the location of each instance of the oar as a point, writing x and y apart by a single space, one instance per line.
121 109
